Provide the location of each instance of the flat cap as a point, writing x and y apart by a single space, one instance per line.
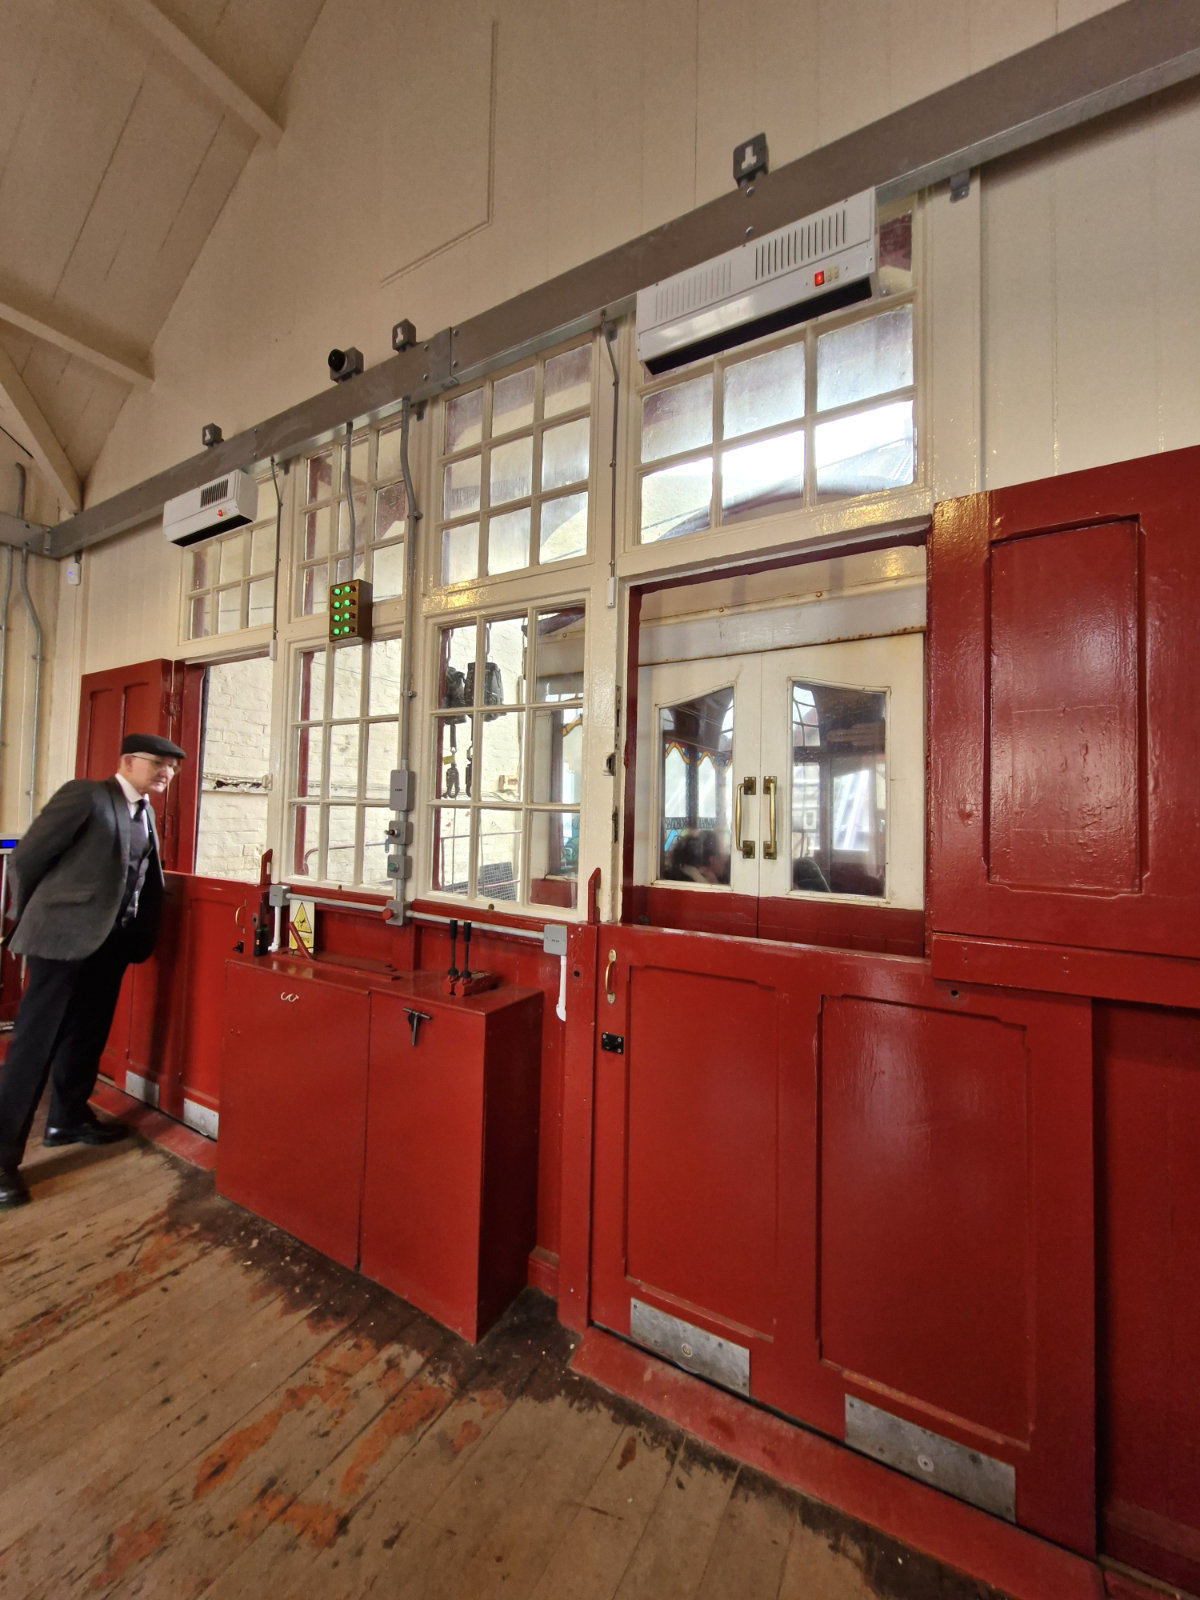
150 744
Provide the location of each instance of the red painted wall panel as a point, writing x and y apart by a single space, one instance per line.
703 1161
924 1182
1063 655
1148 1067
1066 794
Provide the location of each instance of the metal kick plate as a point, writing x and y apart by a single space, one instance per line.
694 1349
930 1458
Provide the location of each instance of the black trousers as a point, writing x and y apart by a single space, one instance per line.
61 1028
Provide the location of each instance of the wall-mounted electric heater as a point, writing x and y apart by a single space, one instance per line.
811 266
228 502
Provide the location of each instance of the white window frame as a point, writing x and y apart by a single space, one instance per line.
372 483
319 800
525 808
445 460
711 452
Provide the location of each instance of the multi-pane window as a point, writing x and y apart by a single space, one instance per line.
826 415
508 757
231 580
516 456
344 747
380 509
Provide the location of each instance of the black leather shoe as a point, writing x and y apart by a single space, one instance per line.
86 1133
12 1189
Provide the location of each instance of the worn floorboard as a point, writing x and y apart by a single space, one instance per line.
191 1403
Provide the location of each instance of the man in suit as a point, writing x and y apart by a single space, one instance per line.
89 886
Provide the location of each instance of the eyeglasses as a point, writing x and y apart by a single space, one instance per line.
161 764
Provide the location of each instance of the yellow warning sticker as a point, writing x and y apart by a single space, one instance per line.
301 925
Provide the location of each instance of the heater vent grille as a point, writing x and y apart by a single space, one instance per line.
691 290
810 240
212 492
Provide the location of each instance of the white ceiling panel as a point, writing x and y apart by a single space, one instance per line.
115 162
256 42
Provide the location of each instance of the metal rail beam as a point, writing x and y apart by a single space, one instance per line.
16 531
1120 56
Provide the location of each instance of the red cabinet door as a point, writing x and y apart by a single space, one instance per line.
294 1101
449 1210
876 1187
1064 655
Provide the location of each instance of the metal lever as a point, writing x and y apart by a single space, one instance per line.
746 786
770 850
466 966
609 992
415 1019
453 972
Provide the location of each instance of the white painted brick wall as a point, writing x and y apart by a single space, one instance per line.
232 831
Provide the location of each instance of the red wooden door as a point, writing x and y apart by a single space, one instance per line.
160 697
1064 655
874 1187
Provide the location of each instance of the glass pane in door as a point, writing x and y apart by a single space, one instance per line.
696 788
839 790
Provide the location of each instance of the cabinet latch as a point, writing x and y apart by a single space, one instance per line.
415 1019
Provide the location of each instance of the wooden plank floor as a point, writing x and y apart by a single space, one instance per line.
192 1403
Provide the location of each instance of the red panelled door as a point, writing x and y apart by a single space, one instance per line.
160 697
877 1185
1064 659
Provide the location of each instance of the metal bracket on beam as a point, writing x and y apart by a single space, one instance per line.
33 535
960 184
437 366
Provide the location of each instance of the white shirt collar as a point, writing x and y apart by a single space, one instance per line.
132 797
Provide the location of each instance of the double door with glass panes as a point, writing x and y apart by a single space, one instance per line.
796 771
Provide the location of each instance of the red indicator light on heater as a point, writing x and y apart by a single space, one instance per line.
818 279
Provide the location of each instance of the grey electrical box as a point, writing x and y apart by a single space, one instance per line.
401 793
554 938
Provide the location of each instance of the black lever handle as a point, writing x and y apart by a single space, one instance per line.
453 972
466 969
415 1019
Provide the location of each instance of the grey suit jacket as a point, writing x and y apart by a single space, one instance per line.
70 875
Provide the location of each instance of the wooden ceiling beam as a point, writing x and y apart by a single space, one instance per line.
203 69
60 327
40 437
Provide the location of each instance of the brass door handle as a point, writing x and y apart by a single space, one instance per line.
770 849
746 786
610 993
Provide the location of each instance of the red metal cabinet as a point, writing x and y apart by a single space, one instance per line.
294 1100
450 1188
414 1154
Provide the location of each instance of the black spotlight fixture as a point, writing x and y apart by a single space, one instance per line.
345 364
